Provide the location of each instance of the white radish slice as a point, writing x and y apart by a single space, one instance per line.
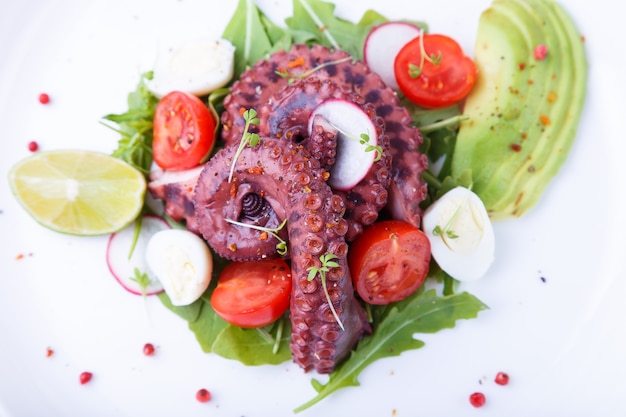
182 262
122 262
353 161
195 67
461 235
382 45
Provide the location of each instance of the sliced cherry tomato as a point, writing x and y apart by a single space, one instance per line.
443 76
184 131
252 294
389 261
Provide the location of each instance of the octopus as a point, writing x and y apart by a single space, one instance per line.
262 86
283 181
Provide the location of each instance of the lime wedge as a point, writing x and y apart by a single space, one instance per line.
78 192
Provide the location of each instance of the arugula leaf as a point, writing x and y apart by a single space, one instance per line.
439 128
422 313
189 312
135 127
207 326
279 37
250 347
142 279
247 33
318 18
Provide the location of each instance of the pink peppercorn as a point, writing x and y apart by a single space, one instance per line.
541 51
85 377
33 146
44 98
477 399
502 378
148 349
203 395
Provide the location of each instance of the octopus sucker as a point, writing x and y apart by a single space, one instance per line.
287 190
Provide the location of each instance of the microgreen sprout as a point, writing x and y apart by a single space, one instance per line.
446 231
450 122
142 279
327 263
293 77
281 246
438 231
363 139
271 340
416 70
248 138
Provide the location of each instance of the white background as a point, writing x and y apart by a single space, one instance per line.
562 341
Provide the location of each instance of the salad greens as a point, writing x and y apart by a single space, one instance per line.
254 42
319 18
312 22
395 324
135 127
268 345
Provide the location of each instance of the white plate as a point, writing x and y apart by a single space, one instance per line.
562 341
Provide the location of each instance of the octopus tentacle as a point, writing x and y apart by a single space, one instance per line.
175 189
257 85
286 115
221 202
295 186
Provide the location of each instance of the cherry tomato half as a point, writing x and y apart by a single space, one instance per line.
184 131
252 294
389 261
444 77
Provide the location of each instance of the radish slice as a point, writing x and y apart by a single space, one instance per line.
383 44
119 247
353 161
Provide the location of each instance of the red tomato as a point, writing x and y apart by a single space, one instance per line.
252 294
184 131
389 261
444 77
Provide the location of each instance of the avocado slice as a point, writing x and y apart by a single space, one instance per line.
523 113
